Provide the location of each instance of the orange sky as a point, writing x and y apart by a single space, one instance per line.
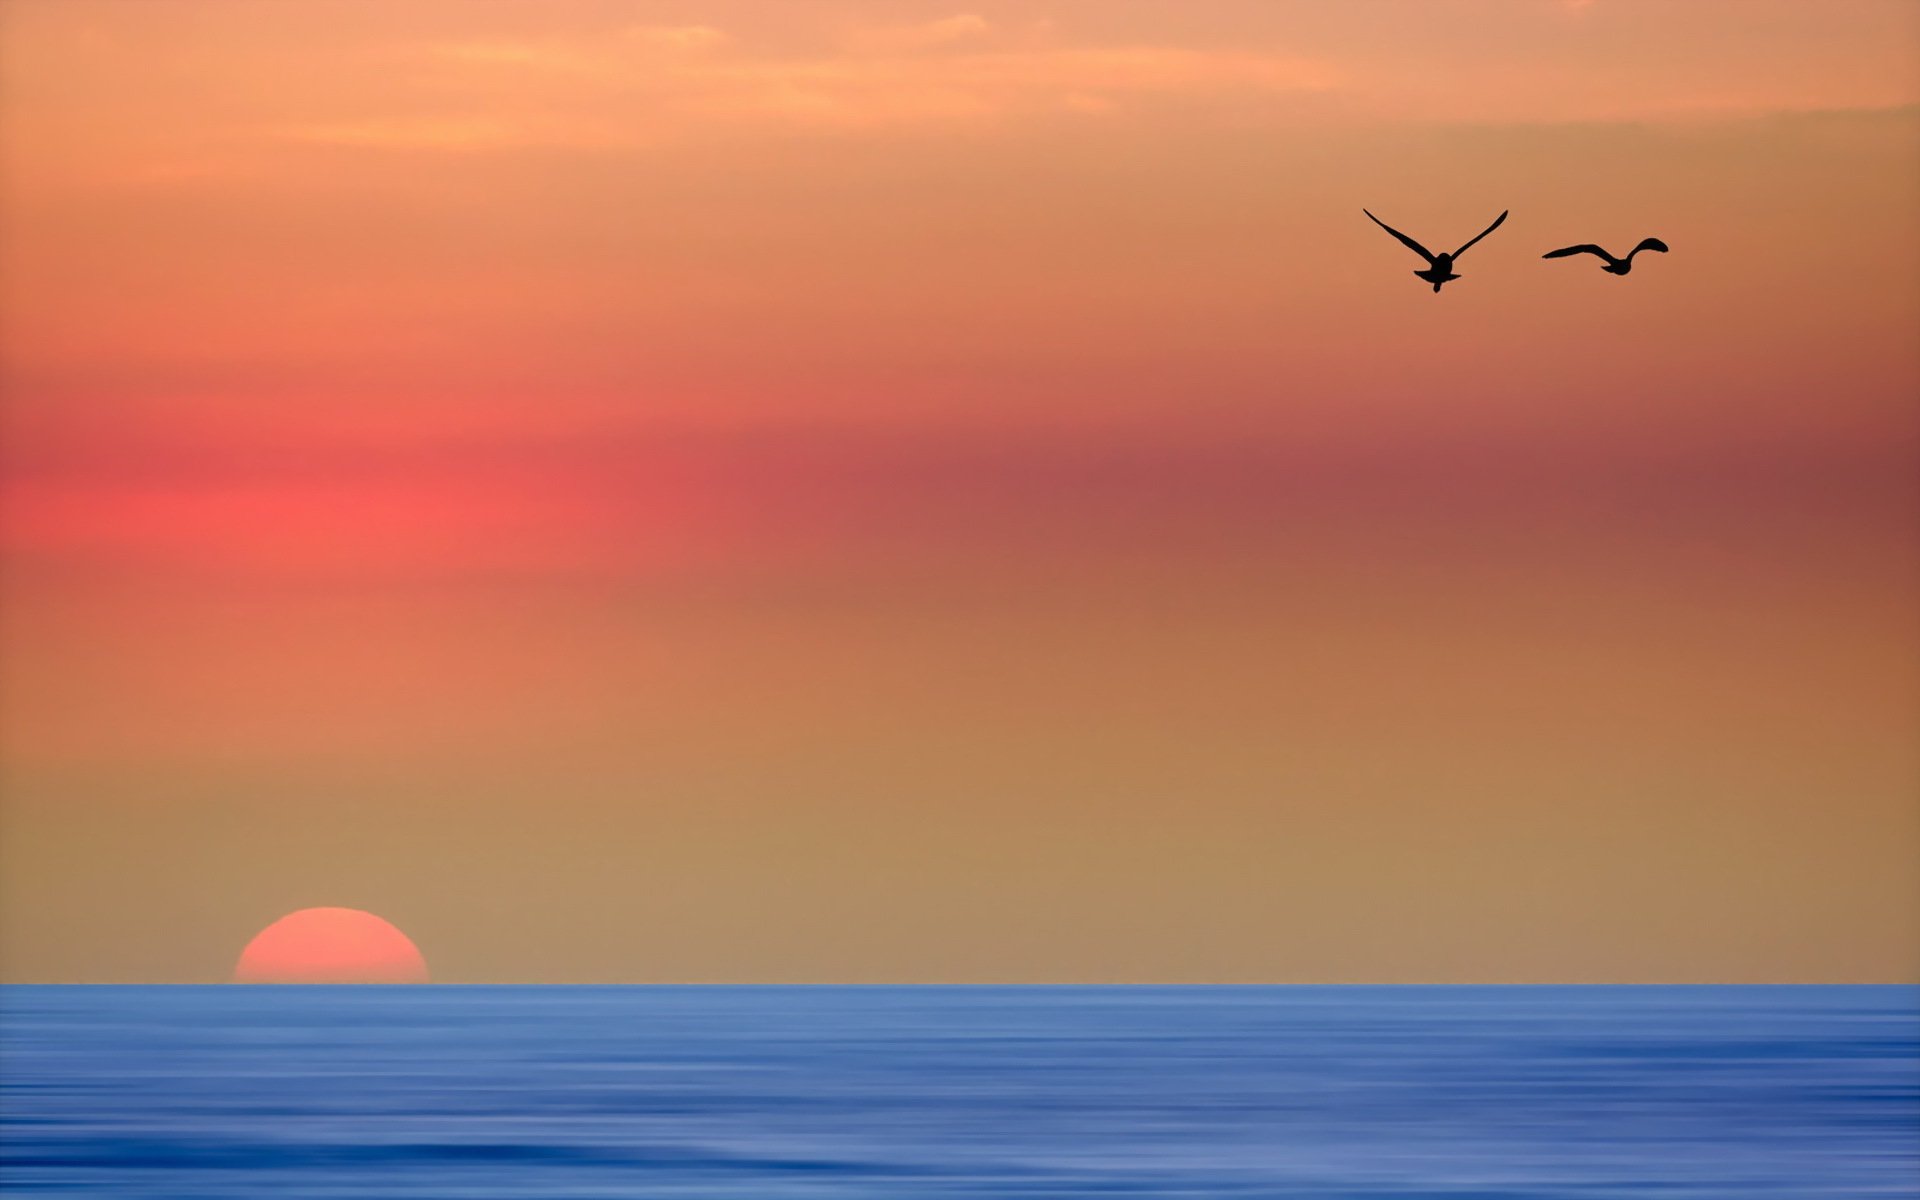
894 491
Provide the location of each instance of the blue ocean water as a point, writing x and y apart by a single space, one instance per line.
763 1093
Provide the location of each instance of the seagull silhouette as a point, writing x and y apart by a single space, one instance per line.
1439 266
1613 266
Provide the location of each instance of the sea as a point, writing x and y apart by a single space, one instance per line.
810 1093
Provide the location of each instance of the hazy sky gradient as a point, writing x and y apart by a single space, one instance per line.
749 491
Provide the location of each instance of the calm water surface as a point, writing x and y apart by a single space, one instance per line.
765 1093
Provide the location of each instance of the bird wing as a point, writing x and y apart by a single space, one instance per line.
1583 248
1484 232
1406 241
1649 244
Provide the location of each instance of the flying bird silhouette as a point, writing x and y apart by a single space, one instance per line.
1439 266
1612 266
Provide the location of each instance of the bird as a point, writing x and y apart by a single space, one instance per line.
1612 266
1439 266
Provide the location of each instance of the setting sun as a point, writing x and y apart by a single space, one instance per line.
330 945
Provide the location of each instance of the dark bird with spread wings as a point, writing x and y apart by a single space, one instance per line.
1439 266
1612 265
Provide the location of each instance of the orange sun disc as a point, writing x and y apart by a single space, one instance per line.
330 945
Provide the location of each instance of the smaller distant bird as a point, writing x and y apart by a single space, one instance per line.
1439 266
1612 266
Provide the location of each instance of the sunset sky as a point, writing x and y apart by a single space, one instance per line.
744 490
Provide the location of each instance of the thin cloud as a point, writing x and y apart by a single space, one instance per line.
959 29
957 68
431 133
584 57
677 38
